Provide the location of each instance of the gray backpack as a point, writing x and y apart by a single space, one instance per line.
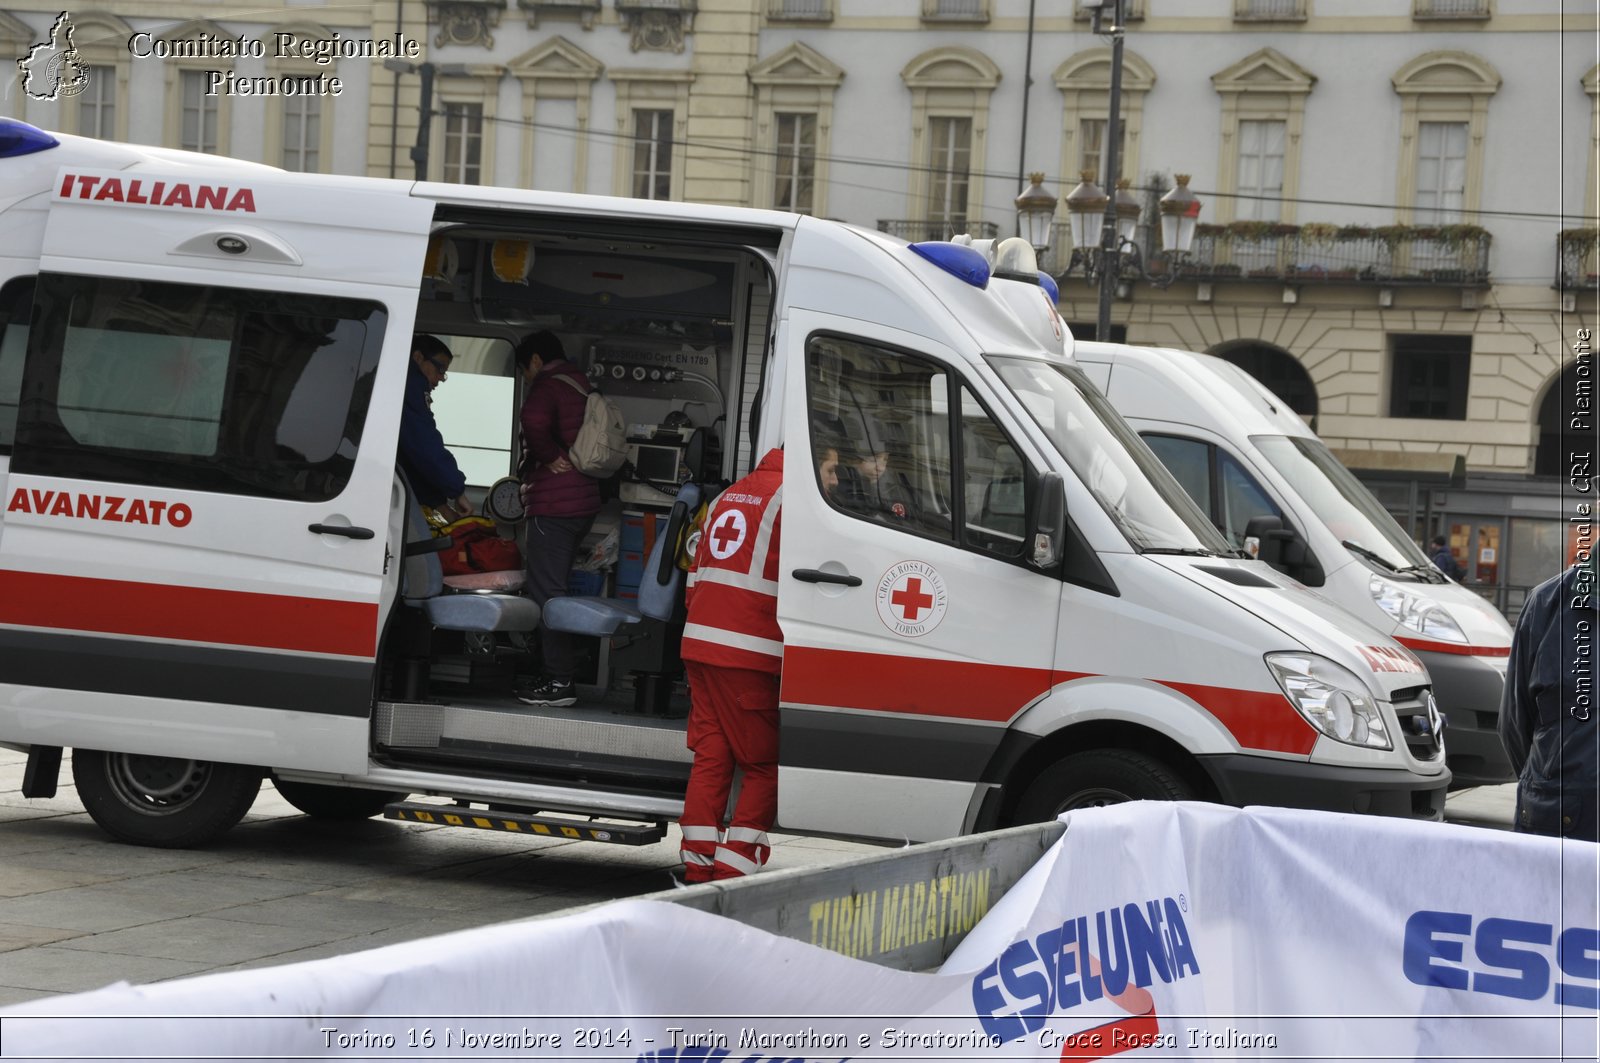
602 442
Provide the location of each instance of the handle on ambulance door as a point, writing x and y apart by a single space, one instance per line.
813 575
346 530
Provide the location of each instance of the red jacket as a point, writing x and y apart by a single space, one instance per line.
552 413
733 587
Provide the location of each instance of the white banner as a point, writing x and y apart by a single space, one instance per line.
1151 931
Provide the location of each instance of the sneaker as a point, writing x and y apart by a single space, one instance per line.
557 693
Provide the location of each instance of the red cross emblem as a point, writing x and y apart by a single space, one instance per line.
912 599
727 534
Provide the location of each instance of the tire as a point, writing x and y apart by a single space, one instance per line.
1099 777
335 803
165 802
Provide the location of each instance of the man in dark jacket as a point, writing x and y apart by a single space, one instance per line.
436 479
1443 559
1547 714
560 501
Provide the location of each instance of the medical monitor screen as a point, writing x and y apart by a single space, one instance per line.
656 463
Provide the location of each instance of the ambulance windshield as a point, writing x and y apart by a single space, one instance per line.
1152 510
1342 503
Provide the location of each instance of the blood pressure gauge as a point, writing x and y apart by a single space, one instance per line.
503 503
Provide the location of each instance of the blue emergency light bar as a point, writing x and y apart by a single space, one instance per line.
1051 288
963 262
20 138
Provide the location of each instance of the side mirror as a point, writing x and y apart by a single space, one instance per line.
1047 532
1270 540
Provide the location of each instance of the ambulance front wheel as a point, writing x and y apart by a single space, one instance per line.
1099 777
338 803
166 802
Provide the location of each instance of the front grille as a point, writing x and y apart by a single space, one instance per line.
1417 727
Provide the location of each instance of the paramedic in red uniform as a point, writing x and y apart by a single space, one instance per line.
733 651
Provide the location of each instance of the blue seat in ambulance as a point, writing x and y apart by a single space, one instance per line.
423 587
660 591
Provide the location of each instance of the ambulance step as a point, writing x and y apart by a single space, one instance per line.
533 824
507 724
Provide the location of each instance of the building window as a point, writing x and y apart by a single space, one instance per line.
949 169
1428 377
652 154
302 133
1441 172
796 162
199 127
463 143
97 104
1092 138
1260 171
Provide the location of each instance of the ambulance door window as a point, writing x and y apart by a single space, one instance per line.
1189 461
16 303
1242 498
187 386
884 417
997 483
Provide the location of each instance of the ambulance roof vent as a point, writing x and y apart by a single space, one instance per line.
20 138
964 262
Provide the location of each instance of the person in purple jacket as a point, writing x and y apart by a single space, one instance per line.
560 501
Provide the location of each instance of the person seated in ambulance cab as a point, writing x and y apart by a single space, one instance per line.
867 485
436 479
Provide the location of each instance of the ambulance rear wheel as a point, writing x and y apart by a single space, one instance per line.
338 803
1099 777
166 802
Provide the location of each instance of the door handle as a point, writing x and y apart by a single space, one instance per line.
346 530
813 575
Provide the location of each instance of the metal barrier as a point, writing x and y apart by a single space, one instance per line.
907 909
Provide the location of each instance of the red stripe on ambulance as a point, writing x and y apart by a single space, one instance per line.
188 614
994 693
101 189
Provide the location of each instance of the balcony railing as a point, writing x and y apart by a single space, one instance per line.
800 10
1269 10
915 229
1388 255
1450 9
1578 260
955 10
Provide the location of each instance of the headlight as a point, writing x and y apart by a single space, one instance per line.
1423 615
1331 698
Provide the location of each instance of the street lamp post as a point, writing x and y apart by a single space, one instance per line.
1109 239
426 71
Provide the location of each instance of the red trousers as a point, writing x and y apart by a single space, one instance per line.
733 723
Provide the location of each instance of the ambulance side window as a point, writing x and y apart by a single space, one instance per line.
916 449
883 413
16 303
1189 462
199 388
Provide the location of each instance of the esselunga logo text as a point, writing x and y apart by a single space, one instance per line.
1504 957
1055 971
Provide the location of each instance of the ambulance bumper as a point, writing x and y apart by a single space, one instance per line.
1245 780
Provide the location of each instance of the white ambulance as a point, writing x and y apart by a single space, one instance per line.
210 570
1242 454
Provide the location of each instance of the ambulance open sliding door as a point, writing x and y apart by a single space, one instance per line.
198 506
913 631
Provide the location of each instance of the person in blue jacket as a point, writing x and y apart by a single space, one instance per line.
1443 559
1547 713
436 479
